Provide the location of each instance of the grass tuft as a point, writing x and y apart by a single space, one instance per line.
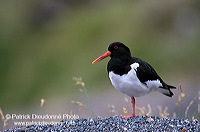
79 81
181 97
143 111
163 112
188 107
125 110
4 119
82 106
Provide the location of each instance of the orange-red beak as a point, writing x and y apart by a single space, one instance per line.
108 53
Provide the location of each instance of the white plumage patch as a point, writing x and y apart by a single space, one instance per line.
153 83
130 85
135 66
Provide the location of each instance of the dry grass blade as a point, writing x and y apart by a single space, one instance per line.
180 88
42 102
2 116
79 81
82 106
163 113
181 97
112 109
188 107
125 110
4 119
174 115
77 78
149 109
143 110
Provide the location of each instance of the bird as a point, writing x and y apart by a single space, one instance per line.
132 76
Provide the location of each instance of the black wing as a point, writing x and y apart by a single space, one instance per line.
145 71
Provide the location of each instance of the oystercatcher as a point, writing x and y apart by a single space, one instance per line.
132 76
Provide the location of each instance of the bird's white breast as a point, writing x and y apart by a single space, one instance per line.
130 85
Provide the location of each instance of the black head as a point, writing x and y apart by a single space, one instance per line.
118 49
115 50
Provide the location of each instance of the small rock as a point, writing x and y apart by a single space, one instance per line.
149 119
184 129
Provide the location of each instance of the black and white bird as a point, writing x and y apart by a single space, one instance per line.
132 76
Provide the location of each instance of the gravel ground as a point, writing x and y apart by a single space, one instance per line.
117 124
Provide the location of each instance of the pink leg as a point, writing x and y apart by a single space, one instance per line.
133 109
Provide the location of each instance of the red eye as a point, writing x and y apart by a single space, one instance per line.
116 47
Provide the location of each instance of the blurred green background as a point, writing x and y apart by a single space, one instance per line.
44 44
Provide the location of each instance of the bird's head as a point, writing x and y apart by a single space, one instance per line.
116 49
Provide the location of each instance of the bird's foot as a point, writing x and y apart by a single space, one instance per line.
129 116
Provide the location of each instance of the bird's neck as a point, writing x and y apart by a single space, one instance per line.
119 64
121 59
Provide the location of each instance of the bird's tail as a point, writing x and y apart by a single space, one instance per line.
165 89
171 87
169 93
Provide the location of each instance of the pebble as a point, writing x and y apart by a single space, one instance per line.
116 124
